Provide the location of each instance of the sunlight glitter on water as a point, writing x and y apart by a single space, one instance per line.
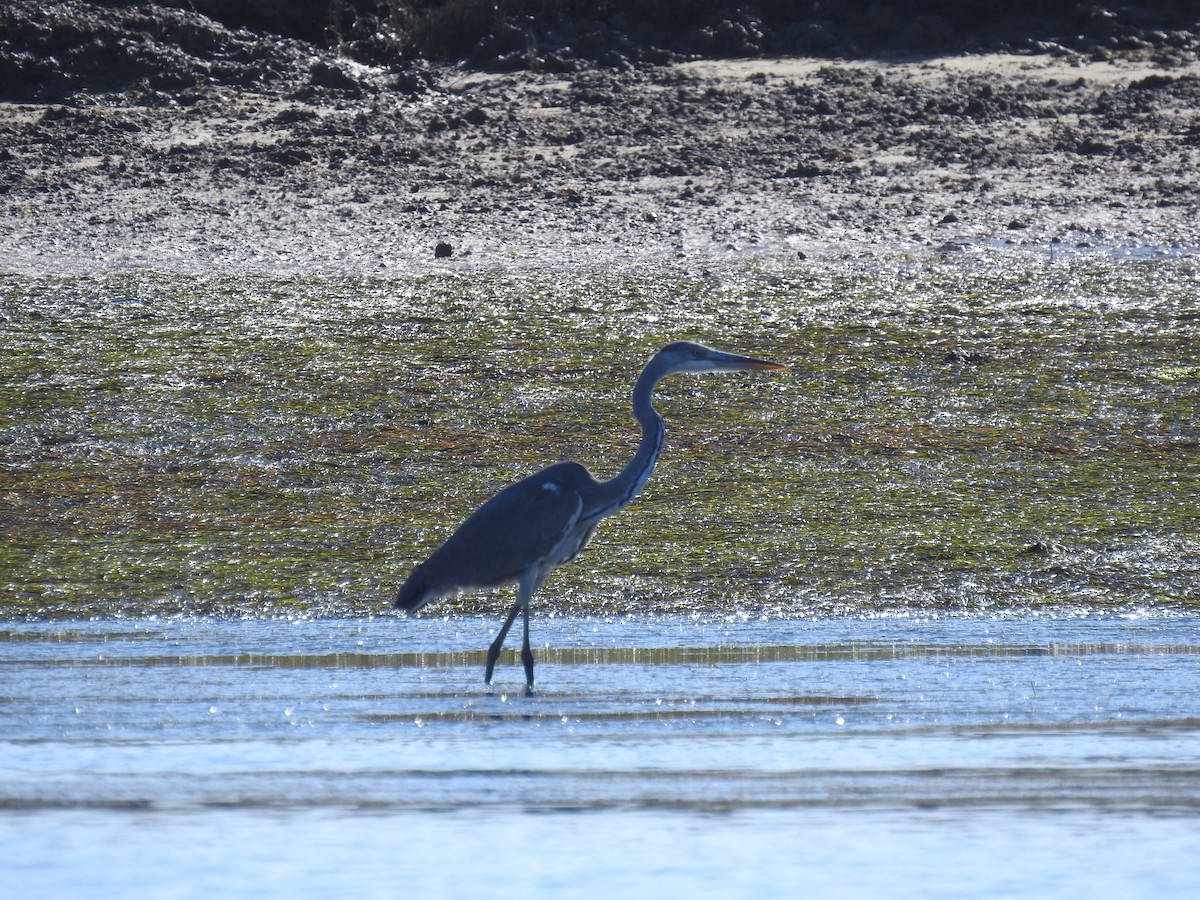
847 755
760 723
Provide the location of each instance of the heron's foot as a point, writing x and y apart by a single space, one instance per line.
527 661
493 654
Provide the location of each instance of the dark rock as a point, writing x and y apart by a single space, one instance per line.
1152 83
958 356
443 250
327 75
1092 147
806 170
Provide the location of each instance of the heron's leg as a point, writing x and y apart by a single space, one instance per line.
494 651
526 585
526 652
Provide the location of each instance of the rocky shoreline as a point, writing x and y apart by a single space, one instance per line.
302 161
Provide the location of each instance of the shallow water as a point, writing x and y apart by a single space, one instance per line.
896 756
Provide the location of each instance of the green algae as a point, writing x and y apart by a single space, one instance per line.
952 435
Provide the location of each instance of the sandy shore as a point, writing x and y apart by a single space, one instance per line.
601 168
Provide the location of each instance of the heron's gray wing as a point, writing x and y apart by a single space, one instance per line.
517 529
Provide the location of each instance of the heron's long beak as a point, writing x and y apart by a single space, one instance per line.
734 362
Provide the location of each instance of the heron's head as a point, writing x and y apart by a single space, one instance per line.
685 356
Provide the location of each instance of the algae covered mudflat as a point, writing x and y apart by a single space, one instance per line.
985 432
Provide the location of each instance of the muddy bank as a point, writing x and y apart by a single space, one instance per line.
286 158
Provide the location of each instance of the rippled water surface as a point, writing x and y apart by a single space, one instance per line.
1025 756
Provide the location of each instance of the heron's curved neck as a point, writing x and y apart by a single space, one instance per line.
620 490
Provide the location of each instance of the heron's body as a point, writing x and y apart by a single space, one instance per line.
550 525
530 528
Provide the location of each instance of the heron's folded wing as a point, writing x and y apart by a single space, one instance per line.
517 529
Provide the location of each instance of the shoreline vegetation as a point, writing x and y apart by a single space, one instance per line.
953 438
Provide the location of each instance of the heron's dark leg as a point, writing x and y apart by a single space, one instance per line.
526 652
494 651
525 588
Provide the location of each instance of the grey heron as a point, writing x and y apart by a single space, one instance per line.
535 525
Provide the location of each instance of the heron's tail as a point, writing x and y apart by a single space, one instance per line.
414 593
